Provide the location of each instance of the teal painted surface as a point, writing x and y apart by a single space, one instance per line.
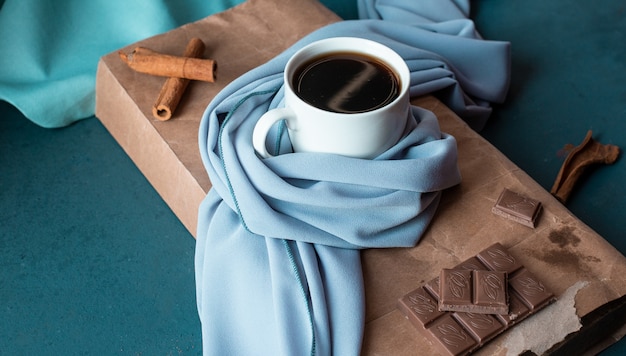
92 261
568 75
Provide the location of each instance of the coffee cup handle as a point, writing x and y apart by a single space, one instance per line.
263 126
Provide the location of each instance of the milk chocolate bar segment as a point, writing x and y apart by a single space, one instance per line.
532 292
517 207
471 263
482 326
420 307
475 291
450 336
455 290
498 258
490 292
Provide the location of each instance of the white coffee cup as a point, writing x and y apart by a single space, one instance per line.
356 134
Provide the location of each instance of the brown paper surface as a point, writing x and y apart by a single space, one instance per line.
567 255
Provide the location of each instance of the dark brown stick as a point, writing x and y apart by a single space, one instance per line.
589 152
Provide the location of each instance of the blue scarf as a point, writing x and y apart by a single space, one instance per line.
278 266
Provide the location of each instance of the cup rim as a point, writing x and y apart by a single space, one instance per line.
350 44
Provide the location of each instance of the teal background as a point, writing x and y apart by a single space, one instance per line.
92 261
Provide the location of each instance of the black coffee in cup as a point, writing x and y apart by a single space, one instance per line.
346 82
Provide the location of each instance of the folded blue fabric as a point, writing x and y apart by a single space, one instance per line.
278 267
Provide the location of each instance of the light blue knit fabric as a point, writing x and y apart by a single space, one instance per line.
278 266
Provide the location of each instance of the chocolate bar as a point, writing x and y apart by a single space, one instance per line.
460 333
473 291
517 207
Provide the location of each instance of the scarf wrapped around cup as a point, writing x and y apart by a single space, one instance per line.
278 245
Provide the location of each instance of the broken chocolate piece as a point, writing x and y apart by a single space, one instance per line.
455 290
589 152
470 264
450 330
473 291
490 292
517 207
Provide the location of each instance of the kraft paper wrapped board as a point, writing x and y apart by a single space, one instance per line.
582 269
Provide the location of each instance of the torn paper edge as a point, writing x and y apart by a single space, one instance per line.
560 317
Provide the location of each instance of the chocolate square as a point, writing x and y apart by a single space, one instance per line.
531 290
517 207
455 290
498 258
422 307
490 292
481 326
450 336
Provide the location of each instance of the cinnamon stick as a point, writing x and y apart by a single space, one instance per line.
589 152
147 61
173 89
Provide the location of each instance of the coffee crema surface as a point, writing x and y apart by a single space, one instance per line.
345 82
